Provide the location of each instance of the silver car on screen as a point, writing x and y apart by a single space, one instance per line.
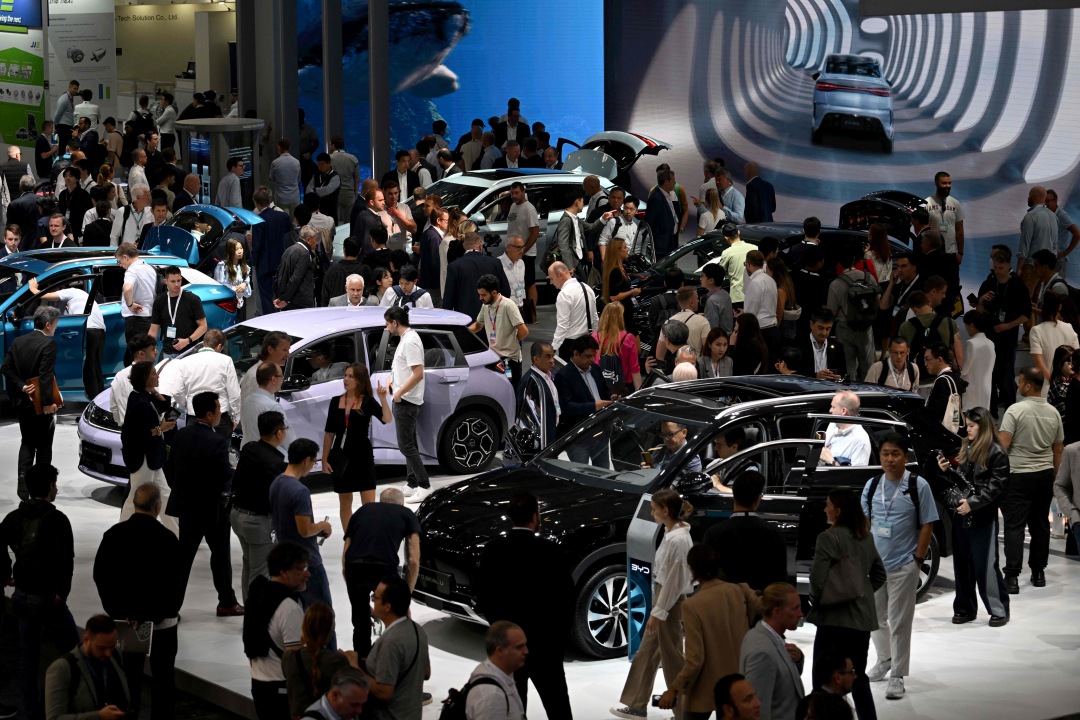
851 97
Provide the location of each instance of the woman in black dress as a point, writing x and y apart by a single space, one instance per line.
617 283
347 452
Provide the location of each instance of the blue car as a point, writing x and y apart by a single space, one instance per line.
97 268
198 234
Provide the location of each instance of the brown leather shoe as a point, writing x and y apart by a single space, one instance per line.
234 611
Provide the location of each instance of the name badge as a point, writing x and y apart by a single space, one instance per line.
883 529
170 332
895 310
491 337
1001 316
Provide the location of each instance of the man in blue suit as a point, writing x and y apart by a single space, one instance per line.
582 393
462 275
543 360
661 215
760 196
267 246
428 253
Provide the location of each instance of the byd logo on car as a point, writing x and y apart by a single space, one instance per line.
643 569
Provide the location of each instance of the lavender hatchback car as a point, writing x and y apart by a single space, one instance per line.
467 397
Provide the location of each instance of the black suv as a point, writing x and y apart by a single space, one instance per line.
590 481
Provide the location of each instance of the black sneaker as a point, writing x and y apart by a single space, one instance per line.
427 699
961 619
999 621
1038 578
1012 584
7 712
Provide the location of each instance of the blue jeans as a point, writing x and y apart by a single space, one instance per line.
318 591
37 615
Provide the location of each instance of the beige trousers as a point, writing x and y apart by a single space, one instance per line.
665 646
143 476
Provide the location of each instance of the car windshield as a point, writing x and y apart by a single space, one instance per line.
453 194
864 67
621 447
244 344
11 281
706 249
206 228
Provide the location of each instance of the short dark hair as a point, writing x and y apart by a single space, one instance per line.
140 373
401 154
233 162
767 246
141 342
663 176
322 158
811 227
823 315
812 256
396 594
895 438
735 438
271 341
522 508
572 195
755 258
722 692
517 186
1045 257
917 299
935 282
538 348
906 255
938 350
674 277
791 356
704 562
302 449
748 487
338 142
351 246
714 272
204 403
825 705
302 214
585 343
629 199
270 422
1033 376
285 556
410 273
39 480
400 315
921 216
379 235
171 270
488 282
100 625
834 662
979 319
530 144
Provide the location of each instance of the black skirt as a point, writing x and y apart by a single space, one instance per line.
359 472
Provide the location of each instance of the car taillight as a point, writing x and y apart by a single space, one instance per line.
640 214
829 87
228 306
644 139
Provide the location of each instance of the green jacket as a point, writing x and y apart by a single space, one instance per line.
859 614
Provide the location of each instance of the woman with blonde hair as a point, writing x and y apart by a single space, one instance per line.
105 179
662 642
709 217
614 340
233 272
310 668
787 308
616 287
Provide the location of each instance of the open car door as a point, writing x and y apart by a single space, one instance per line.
171 240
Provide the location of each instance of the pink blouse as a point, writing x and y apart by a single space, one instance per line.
628 354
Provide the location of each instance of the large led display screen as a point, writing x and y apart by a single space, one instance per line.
462 60
991 98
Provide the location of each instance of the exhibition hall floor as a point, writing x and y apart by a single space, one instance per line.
1026 669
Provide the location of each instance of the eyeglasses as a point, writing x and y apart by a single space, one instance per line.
669 435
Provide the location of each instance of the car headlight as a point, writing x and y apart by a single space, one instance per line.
100 417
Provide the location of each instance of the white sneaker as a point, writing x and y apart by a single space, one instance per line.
895 691
409 491
419 495
879 671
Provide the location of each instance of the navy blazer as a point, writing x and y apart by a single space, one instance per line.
760 201
575 400
549 401
199 471
658 216
268 240
429 259
139 445
461 278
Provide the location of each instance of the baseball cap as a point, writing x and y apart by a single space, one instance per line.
479 122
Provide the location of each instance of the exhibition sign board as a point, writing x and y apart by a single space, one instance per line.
22 87
21 13
82 46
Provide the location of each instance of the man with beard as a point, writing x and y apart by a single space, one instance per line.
946 216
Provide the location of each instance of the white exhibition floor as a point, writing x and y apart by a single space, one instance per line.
1027 669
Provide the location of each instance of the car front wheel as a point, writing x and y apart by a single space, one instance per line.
469 443
606 606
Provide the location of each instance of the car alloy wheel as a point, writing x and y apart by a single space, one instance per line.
929 569
608 607
469 443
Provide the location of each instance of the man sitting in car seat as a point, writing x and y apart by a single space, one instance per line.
727 445
845 444
674 436
325 368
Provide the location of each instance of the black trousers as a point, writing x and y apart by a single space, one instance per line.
266 293
133 325
93 378
544 666
853 644
167 140
215 530
361 579
63 134
271 702
975 565
774 342
37 437
162 666
1027 503
1003 379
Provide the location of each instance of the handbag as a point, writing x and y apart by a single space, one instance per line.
844 583
339 460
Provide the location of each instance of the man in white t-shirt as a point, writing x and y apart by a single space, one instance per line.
524 222
274 602
845 443
407 384
946 216
139 291
514 268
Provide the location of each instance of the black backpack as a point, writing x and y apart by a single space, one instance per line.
912 491
130 143
923 337
612 368
909 369
27 550
668 306
454 705
862 301
402 298
144 121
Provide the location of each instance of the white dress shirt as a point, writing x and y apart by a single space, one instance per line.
255 404
515 275
143 281
118 394
165 121
137 176
670 570
130 231
571 320
979 357
760 298
205 371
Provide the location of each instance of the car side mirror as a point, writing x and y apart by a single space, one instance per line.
693 483
478 218
816 75
294 383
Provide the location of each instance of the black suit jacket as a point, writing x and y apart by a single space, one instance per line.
97 233
268 240
659 218
834 355
199 471
23 211
76 204
30 356
575 400
500 162
461 277
760 201
182 200
412 178
139 445
536 161
940 263
549 401
500 133
751 550
362 220
429 259
526 580
135 570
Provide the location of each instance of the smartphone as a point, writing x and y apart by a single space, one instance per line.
656 701
972 299
322 538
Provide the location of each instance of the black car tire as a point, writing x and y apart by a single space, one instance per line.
593 637
929 569
816 136
886 145
469 442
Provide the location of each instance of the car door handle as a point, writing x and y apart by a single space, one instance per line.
70 334
448 380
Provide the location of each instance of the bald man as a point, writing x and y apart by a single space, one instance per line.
1038 231
186 195
760 196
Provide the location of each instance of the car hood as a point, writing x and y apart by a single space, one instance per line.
469 513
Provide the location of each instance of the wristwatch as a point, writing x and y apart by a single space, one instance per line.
919 559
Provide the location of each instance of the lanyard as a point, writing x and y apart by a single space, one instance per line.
897 378
172 310
491 318
893 500
348 411
900 300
